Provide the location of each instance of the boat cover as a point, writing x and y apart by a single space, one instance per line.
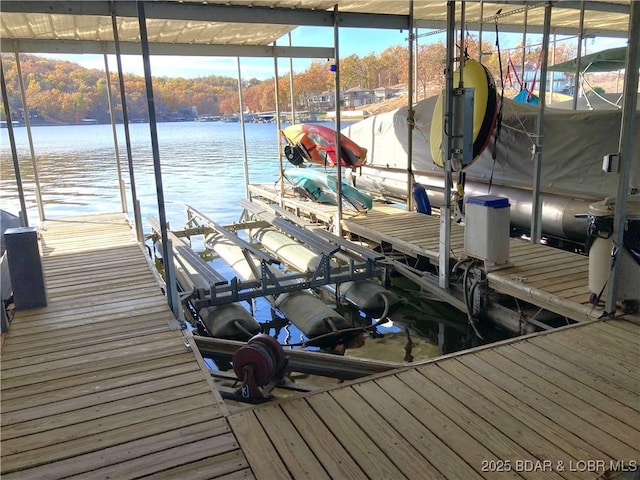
575 143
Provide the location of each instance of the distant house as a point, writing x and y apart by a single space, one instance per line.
384 93
357 96
321 102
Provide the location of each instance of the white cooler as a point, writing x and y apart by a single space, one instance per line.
487 227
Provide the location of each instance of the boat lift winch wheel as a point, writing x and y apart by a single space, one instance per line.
259 363
295 154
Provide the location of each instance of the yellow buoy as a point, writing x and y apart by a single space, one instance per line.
485 110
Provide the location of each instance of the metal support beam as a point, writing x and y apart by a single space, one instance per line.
137 216
24 220
536 199
167 254
524 47
27 124
28 45
123 196
245 158
629 118
447 144
410 112
576 80
291 87
278 123
336 46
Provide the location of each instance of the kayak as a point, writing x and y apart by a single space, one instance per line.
486 105
322 187
317 144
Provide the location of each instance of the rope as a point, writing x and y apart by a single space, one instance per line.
494 154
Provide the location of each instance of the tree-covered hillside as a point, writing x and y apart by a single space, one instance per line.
65 92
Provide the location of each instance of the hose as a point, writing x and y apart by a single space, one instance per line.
467 297
385 312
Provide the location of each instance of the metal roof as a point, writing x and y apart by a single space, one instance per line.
246 27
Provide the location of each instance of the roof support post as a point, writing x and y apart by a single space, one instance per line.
576 80
167 254
123 196
278 125
627 127
410 112
291 89
524 44
447 144
27 124
480 31
536 203
137 217
336 46
24 220
245 159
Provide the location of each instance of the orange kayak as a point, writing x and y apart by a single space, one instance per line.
316 143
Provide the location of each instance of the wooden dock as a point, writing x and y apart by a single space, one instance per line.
564 404
547 277
99 384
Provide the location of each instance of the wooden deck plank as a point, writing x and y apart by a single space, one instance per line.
80 316
419 437
585 392
406 458
576 371
479 421
141 354
58 359
606 423
335 461
220 466
179 448
569 446
137 389
265 461
105 410
89 382
577 342
97 392
589 362
294 451
457 438
609 446
623 349
622 336
36 450
84 334
355 441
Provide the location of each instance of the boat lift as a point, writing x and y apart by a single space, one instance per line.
203 286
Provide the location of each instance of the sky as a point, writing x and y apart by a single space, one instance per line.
356 41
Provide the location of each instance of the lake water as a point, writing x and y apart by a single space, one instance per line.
202 166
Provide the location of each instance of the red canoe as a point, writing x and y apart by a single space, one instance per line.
316 143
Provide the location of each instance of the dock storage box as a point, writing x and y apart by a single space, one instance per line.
486 233
25 267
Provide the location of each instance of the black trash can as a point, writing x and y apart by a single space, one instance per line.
25 268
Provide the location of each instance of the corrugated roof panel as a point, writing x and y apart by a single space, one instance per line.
40 25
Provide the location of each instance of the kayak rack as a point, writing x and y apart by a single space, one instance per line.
203 286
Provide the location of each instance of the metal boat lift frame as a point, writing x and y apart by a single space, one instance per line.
219 291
